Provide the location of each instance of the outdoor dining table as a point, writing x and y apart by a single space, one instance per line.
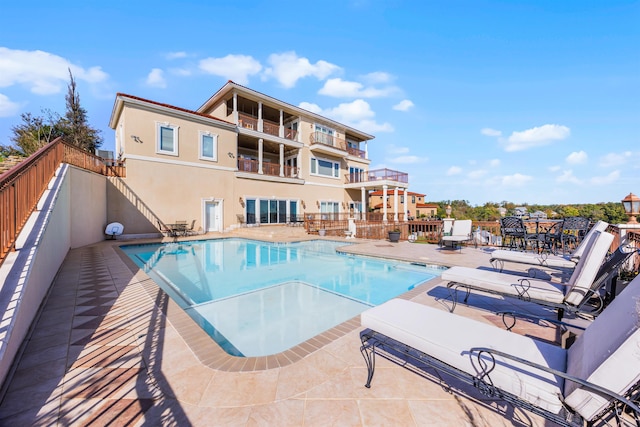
177 229
541 236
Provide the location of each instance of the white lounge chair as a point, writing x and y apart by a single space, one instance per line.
500 256
460 232
587 278
594 381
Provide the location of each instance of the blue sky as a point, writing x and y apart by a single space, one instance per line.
524 101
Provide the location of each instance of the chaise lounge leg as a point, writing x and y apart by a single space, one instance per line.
369 354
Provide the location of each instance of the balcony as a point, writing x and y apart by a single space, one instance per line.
356 153
269 169
378 177
247 121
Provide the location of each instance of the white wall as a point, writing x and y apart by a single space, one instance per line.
71 213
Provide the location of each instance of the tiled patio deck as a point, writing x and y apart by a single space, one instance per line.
109 348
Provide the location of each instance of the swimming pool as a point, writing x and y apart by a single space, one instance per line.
257 298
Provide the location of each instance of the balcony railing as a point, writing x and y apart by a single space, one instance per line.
271 128
271 169
329 140
357 153
377 175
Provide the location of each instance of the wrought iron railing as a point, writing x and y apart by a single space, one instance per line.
22 186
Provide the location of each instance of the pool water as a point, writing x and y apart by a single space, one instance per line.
258 298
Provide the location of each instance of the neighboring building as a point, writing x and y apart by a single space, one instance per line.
429 210
539 215
410 203
241 157
521 211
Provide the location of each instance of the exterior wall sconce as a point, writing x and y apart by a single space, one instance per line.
344 205
242 201
230 154
318 203
448 211
303 205
136 139
631 205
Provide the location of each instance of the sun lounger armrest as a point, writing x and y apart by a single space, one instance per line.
514 315
619 400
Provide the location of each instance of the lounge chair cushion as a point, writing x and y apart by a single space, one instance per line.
505 284
448 338
460 232
598 226
544 260
584 275
607 353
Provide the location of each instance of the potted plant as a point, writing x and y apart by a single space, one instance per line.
394 235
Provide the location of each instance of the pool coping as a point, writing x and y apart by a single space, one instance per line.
210 354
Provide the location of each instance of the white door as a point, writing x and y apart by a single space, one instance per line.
212 216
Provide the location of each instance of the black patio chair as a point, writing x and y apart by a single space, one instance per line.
515 235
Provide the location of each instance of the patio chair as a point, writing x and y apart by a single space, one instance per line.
500 256
460 232
588 277
190 230
596 381
513 232
567 234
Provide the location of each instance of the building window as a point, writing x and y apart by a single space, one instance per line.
413 199
324 135
208 146
167 139
325 168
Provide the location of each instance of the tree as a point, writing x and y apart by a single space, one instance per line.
74 124
36 131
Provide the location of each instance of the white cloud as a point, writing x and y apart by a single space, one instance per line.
403 105
477 174
357 114
42 72
577 157
175 55
287 68
183 72
8 108
233 67
377 77
516 180
568 176
156 78
339 88
554 168
536 137
494 163
490 132
314 108
454 170
615 159
605 180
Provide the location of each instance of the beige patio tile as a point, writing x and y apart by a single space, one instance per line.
284 413
241 388
387 413
332 412
314 369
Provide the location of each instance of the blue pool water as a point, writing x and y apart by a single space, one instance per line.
257 298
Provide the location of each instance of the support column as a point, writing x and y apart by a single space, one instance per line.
395 204
260 123
384 203
366 150
260 148
281 159
363 203
406 206
235 108
281 128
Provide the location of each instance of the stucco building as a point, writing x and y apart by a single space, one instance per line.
242 157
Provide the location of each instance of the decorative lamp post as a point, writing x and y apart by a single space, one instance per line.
448 211
631 205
